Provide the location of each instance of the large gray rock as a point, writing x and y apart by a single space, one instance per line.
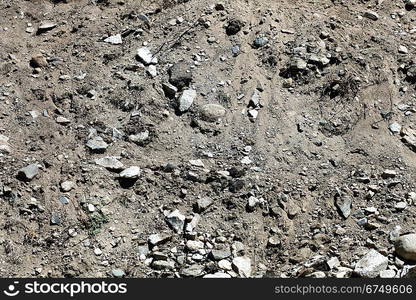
405 246
371 264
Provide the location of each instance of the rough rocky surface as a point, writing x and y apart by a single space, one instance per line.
215 139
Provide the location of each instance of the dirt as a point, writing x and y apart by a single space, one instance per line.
331 80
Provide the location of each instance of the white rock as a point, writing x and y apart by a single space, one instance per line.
242 265
114 39
371 264
145 55
187 99
131 173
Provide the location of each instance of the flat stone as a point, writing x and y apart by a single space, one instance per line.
371 264
97 144
109 162
192 271
158 238
130 173
219 254
344 205
371 15
163 265
114 39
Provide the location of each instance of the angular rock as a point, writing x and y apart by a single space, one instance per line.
109 162
242 266
28 173
131 173
145 56
186 99
114 39
97 144
371 264
176 221
192 271
203 203
158 238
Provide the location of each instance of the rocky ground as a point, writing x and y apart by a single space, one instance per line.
174 138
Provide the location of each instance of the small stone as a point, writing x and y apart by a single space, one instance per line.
371 15
344 205
163 265
109 162
387 274
130 173
158 238
97 251
371 264
186 100
203 203
194 245
252 203
62 120
220 254
63 199
273 241
197 163
225 265
4 145
176 221
192 271
145 56
97 144
118 273
233 27
400 206
169 89
66 186
114 39
333 263
179 76
242 265
28 173
55 220
38 61
45 26
405 246
152 71
403 49
395 128
212 112
388 174
260 42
